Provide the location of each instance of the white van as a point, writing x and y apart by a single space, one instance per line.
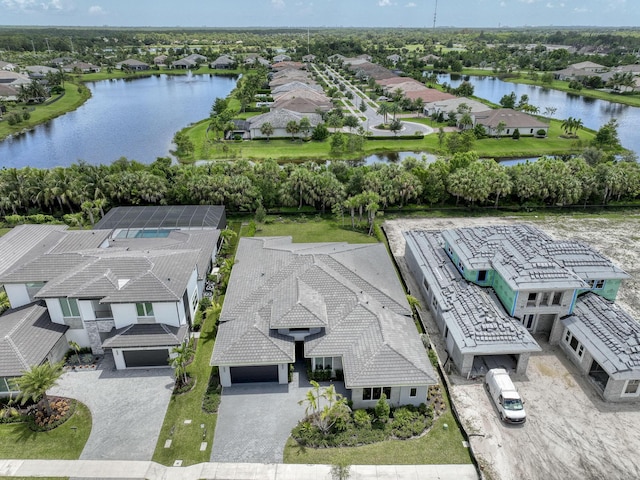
505 396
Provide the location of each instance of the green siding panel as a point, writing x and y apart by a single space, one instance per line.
504 292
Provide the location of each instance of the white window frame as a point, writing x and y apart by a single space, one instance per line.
413 392
375 393
635 381
194 300
322 363
69 302
147 308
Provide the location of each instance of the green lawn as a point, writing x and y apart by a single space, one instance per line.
186 437
438 446
313 230
65 442
71 100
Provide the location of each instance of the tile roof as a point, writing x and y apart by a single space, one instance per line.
473 315
27 335
527 258
27 241
609 334
278 118
147 335
352 291
512 119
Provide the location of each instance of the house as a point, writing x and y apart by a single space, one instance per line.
28 337
491 288
394 58
279 118
13 79
302 100
133 65
509 119
308 58
281 58
223 62
131 287
295 85
580 70
8 93
340 307
40 71
190 61
160 60
255 59
452 105
83 67
7 66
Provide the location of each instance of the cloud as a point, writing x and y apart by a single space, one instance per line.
278 3
385 3
96 10
410 5
31 6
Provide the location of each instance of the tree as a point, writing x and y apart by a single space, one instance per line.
34 383
266 129
183 354
500 128
292 128
466 121
382 409
305 126
607 136
395 126
465 89
351 122
384 111
509 101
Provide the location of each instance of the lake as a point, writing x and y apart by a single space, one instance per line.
593 112
134 118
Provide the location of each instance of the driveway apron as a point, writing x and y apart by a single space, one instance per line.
127 408
256 419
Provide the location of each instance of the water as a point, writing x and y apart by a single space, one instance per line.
134 118
593 112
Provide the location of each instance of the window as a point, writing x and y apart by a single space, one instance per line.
599 284
531 300
482 275
413 392
527 321
426 284
632 387
375 393
508 131
545 298
460 266
69 307
194 300
144 309
573 342
325 363
450 250
557 298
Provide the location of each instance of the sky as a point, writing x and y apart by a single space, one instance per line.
320 13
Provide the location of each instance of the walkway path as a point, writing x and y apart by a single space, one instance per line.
101 469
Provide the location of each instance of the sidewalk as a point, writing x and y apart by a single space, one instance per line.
104 469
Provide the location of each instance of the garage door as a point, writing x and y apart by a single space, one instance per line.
146 358
262 373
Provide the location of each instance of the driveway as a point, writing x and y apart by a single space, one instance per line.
256 419
127 408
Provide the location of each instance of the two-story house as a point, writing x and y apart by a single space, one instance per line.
490 288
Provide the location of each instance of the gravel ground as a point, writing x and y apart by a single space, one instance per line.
570 433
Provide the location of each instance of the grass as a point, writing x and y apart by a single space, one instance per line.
313 230
71 100
438 446
186 438
65 442
115 73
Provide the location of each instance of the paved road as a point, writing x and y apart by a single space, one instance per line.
127 408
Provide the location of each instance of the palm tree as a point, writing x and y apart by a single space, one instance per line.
76 349
183 354
384 111
34 383
567 125
292 128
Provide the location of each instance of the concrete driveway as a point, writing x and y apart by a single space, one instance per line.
256 419
127 408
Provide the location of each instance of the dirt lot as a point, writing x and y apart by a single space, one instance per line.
570 433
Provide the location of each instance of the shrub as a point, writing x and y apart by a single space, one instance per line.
516 134
320 133
362 419
382 409
26 115
407 423
261 214
212 397
541 133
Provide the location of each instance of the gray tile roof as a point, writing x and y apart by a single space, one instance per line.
27 335
473 315
609 334
129 270
528 258
147 335
511 118
279 118
26 241
351 290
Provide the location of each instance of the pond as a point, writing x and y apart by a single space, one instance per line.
593 112
134 118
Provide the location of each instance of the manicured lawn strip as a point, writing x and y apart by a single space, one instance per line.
71 100
438 446
65 442
186 438
115 73
313 230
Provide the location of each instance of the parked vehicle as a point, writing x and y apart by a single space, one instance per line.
505 396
